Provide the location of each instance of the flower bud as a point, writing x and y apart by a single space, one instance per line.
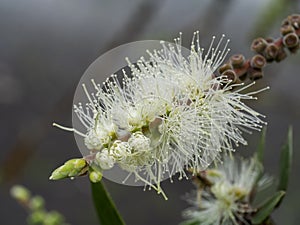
79 163
95 176
37 217
291 40
53 218
71 168
36 203
259 45
258 62
20 193
237 61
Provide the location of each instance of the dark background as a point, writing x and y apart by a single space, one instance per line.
45 47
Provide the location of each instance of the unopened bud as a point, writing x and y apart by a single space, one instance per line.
95 176
258 62
36 203
20 193
71 168
54 218
37 217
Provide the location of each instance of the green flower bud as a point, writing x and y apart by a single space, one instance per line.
20 193
95 176
36 203
59 173
79 164
53 218
71 168
36 218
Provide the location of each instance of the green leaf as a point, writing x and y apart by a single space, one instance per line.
267 208
286 161
261 146
190 222
105 208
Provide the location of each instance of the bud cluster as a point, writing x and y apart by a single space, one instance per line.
36 206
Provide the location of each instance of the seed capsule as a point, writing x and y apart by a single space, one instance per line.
291 40
259 45
258 62
237 61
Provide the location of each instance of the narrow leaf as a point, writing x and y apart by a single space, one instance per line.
190 222
105 208
261 146
286 161
267 208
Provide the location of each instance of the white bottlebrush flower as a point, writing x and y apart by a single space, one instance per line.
169 114
227 199
219 115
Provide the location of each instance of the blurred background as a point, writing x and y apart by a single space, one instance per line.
45 47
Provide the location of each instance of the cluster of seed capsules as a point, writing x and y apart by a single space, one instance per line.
267 50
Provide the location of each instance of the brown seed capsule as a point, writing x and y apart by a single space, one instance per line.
269 40
231 75
255 74
295 20
286 22
286 29
242 71
281 55
258 45
224 67
291 40
294 49
237 60
271 52
258 62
